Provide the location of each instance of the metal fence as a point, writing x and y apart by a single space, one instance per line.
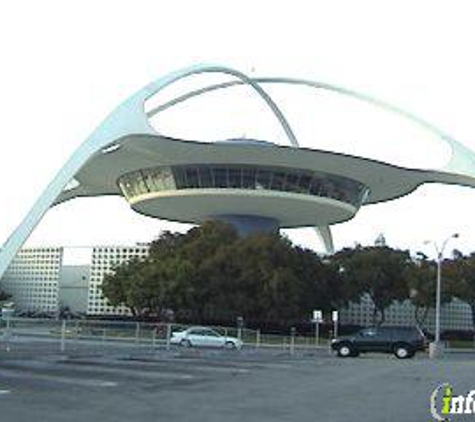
144 334
66 333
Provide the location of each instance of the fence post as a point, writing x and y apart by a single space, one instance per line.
292 340
63 336
154 337
137 332
8 333
169 335
258 339
317 333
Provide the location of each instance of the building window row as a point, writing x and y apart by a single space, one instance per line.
203 176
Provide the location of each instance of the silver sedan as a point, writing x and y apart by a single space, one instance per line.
204 337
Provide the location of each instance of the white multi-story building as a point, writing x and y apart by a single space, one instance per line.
39 279
33 278
104 259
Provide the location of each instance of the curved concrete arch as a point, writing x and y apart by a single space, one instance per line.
323 232
128 118
462 160
243 80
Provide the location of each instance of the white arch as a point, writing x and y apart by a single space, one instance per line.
128 118
462 159
461 162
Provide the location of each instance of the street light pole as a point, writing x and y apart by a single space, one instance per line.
440 257
437 298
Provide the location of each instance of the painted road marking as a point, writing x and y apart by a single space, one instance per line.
131 372
108 384
16 374
157 365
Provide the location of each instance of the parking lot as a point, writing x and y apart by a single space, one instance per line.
114 382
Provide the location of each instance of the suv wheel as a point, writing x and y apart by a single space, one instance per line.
345 351
403 351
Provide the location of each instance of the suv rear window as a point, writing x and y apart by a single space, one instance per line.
403 332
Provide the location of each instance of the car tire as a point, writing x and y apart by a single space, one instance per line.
403 351
230 345
185 343
345 351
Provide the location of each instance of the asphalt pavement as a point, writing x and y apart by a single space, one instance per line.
107 383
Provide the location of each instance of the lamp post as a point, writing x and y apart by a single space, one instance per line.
435 349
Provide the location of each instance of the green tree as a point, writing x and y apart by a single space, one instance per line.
378 271
199 246
460 272
422 287
171 276
4 296
118 286
210 270
265 277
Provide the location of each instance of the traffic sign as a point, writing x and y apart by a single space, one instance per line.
335 316
317 316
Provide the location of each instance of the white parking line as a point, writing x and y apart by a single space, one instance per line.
158 365
4 392
102 370
107 384
18 374
230 364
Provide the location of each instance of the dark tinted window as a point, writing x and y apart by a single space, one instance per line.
238 176
403 333
368 332
192 177
206 177
180 177
235 178
291 182
249 178
278 181
263 179
221 177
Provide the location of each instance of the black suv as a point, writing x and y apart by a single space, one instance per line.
404 342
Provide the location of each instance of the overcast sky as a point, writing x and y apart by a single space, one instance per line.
65 65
